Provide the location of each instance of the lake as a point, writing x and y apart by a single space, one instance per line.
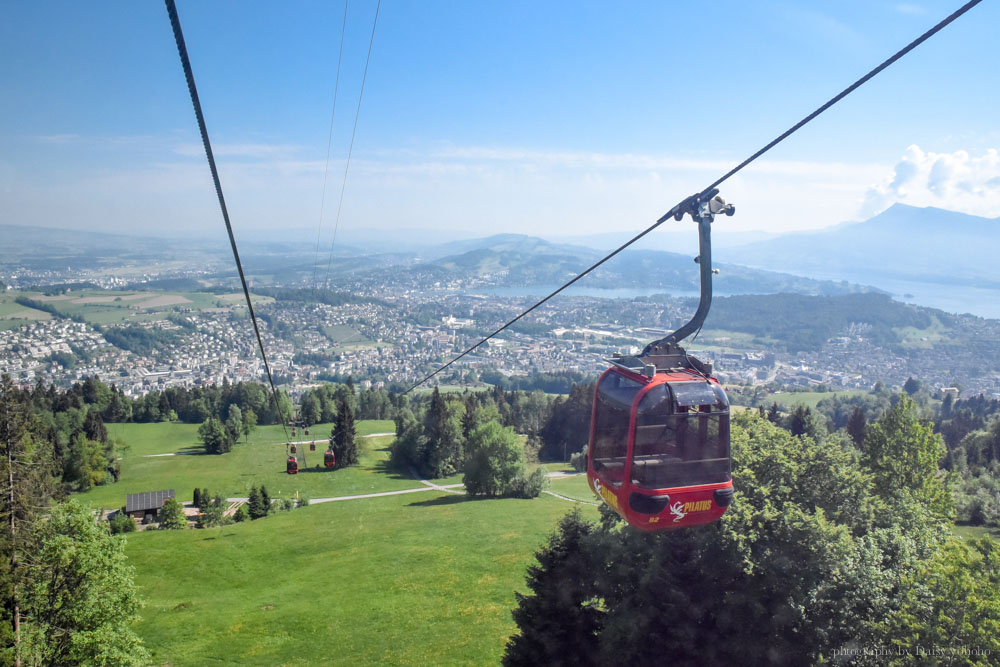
980 301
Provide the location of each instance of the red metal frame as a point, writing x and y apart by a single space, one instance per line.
688 505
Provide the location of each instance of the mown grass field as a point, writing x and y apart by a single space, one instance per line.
262 461
411 579
105 307
418 578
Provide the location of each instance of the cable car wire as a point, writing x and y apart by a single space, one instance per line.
189 76
350 150
329 143
684 206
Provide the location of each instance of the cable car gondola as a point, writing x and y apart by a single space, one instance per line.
329 460
292 467
659 434
293 450
307 431
312 446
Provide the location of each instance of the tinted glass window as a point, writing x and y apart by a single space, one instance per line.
614 403
681 445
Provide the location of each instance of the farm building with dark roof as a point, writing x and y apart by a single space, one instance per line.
140 505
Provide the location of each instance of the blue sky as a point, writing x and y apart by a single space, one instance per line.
551 118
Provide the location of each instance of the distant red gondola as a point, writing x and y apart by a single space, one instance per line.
329 460
312 446
307 431
292 467
293 450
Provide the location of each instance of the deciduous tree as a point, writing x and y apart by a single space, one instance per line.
82 601
171 515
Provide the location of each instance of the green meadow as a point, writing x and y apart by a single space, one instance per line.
414 578
423 578
260 462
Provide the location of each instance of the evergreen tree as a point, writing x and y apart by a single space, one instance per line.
265 500
559 621
94 428
242 514
25 489
343 435
257 508
856 426
196 501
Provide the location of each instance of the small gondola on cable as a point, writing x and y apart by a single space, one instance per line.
293 450
659 434
329 460
312 445
292 466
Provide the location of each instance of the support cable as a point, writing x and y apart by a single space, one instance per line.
329 143
686 206
350 150
189 75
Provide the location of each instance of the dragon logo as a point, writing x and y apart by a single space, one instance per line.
677 509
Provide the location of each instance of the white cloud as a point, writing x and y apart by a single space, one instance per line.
954 181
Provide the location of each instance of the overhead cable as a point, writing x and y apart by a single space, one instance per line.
189 75
329 144
350 150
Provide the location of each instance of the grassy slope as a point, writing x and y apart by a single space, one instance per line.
262 461
426 579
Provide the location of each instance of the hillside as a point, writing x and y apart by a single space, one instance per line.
903 242
522 261
390 580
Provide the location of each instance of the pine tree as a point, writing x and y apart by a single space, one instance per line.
22 497
265 500
256 504
857 423
559 622
343 434
196 501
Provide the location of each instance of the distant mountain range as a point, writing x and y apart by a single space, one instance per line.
928 245
903 243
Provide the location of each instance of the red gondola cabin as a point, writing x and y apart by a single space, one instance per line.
329 460
293 450
659 447
312 446
292 467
